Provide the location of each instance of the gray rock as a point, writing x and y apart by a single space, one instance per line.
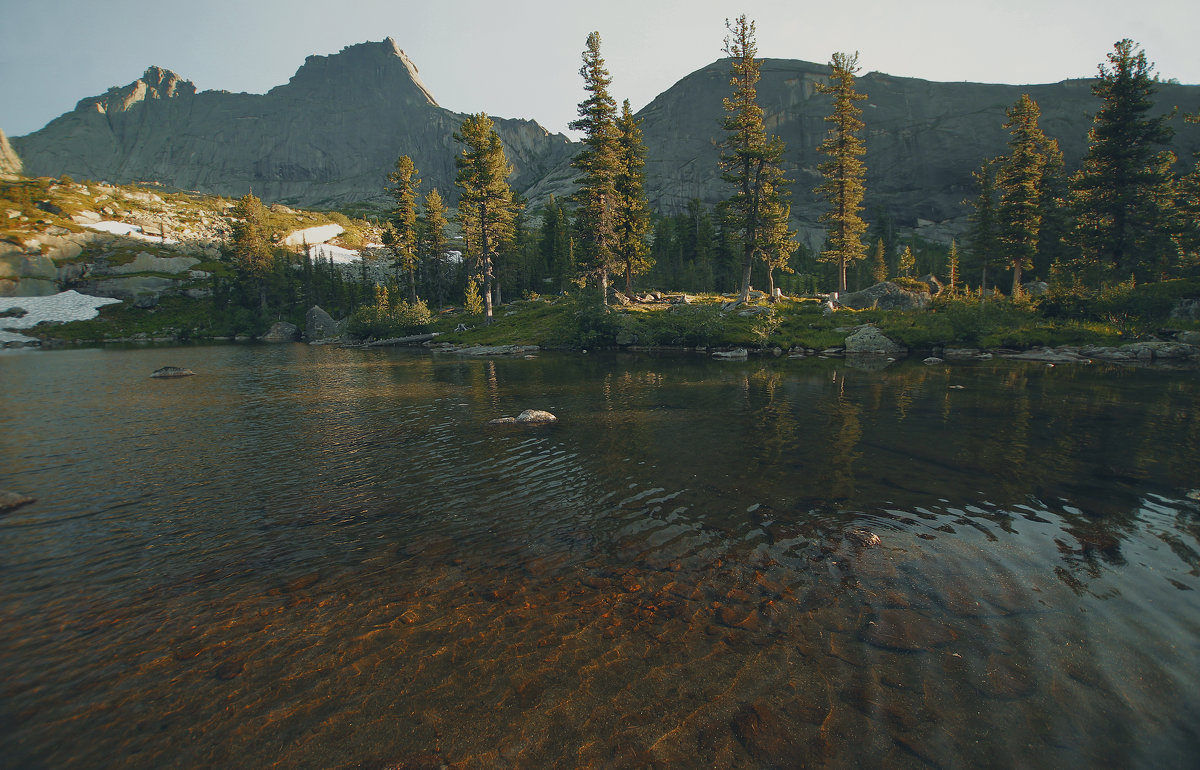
10 164
933 360
170 372
146 262
932 281
319 326
869 340
527 417
282 331
737 354
10 501
1035 288
885 296
1188 337
128 289
1186 310
497 350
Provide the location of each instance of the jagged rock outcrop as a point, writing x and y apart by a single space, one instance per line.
870 341
328 136
10 164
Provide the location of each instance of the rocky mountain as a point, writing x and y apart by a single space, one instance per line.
326 138
923 138
10 164
331 134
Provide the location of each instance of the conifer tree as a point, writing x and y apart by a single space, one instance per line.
1189 206
432 244
880 270
750 161
599 162
843 187
985 242
632 211
486 207
400 236
555 243
249 247
952 267
1123 195
1019 179
908 262
779 241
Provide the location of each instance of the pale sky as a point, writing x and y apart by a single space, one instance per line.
520 58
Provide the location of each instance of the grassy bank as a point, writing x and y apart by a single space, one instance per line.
566 322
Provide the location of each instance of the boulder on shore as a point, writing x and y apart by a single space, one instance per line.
319 326
282 331
870 341
885 296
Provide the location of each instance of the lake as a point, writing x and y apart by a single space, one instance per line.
322 557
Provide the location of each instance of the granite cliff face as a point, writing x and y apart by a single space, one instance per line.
327 137
10 164
331 134
923 138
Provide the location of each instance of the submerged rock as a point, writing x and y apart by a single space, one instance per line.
10 501
528 417
737 354
168 372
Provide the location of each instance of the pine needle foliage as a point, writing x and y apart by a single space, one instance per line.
486 209
400 236
844 172
599 163
750 161
633 212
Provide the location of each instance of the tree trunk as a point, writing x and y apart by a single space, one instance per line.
747 266
1016 289
770 283
487 266
604 286
412 281
629 280
841 275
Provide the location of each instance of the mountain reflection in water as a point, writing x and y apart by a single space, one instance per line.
315 557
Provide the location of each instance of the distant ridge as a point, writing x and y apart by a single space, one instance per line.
330 135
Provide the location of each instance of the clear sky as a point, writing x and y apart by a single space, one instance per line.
520 58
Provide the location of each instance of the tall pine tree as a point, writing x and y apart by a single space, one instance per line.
599 162
633 212
486 209
1123 195
843 187
984 231
249 247
400 236
433 243
1019 179
750 161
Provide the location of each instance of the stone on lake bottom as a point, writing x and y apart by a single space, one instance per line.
10 501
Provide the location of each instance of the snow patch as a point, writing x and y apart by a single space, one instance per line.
64 306
311 235
334 254
127 230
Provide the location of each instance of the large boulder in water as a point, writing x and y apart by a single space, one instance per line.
869 340
885 296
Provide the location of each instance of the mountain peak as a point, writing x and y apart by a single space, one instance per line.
155 83
375 65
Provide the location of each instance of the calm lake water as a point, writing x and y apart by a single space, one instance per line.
316 557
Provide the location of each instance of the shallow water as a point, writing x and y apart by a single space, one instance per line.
315 557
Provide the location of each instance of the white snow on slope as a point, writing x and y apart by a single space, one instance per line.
64 306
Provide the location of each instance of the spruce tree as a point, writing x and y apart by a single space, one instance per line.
843 187
249 247
486 209
749 160
952 268
599 162
1188 204
984 231
633 212
880 270
779 241
908 262
1019 181
1123 195
400 236
433 242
